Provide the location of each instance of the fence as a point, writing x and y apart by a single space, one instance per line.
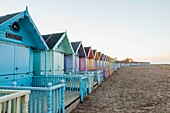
14 101
73 82
43 99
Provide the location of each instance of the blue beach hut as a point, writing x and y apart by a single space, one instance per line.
76 61
18 38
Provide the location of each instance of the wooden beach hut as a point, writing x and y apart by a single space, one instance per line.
77 60
79 56
19 41
18 38
90 58
96 60
59 46
99 63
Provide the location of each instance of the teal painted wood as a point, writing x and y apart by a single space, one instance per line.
73 82
27 26
49 99
22 80
62 97
16 55
40 99
98 76
37 63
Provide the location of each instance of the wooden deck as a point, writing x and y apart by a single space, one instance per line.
72 99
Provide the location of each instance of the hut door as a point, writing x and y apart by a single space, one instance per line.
13 59
6 59
76 63
58 63
22 60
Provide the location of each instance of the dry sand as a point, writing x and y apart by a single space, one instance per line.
142 89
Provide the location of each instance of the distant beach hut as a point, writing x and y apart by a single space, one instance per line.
79 57
90 58
96 60
99 63
59 46
18 38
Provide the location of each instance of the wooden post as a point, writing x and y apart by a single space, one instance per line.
49 100
0 107
81 89
9 106
18 105
14 105
62 97
45 63
4 107
25 99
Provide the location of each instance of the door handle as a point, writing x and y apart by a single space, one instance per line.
16 68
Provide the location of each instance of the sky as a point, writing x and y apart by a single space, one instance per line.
138 29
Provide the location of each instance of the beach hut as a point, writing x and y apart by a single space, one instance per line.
59 46
79 56
18 38
77 60
96 60
99 63
90 58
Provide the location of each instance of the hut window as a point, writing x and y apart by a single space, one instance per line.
15 27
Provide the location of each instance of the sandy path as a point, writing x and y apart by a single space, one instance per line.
143 89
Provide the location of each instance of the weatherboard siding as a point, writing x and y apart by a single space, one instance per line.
83 65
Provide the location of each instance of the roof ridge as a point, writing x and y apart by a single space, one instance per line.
49 37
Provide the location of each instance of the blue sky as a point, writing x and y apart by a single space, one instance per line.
139 29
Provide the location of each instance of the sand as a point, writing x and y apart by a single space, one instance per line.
141 89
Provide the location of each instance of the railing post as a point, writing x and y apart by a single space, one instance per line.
49 100
14 83
81 89
63 96
25 99
84 86
98 77
88 83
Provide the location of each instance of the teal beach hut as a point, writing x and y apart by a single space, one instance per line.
18 38
59 46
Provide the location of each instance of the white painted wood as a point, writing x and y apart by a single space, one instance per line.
9 106
4 107
0 107
18 105
25 99
14 96
14 106
58 62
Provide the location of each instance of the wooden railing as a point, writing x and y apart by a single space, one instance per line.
14 101
90 79
98 76
48 99
72 82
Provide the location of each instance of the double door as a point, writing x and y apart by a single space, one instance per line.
14 59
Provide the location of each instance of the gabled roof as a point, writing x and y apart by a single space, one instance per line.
30 37
87 49
89 52
96 55
102 57
100 54
52 39
94 51
78 49
59 41
75 46
7 17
